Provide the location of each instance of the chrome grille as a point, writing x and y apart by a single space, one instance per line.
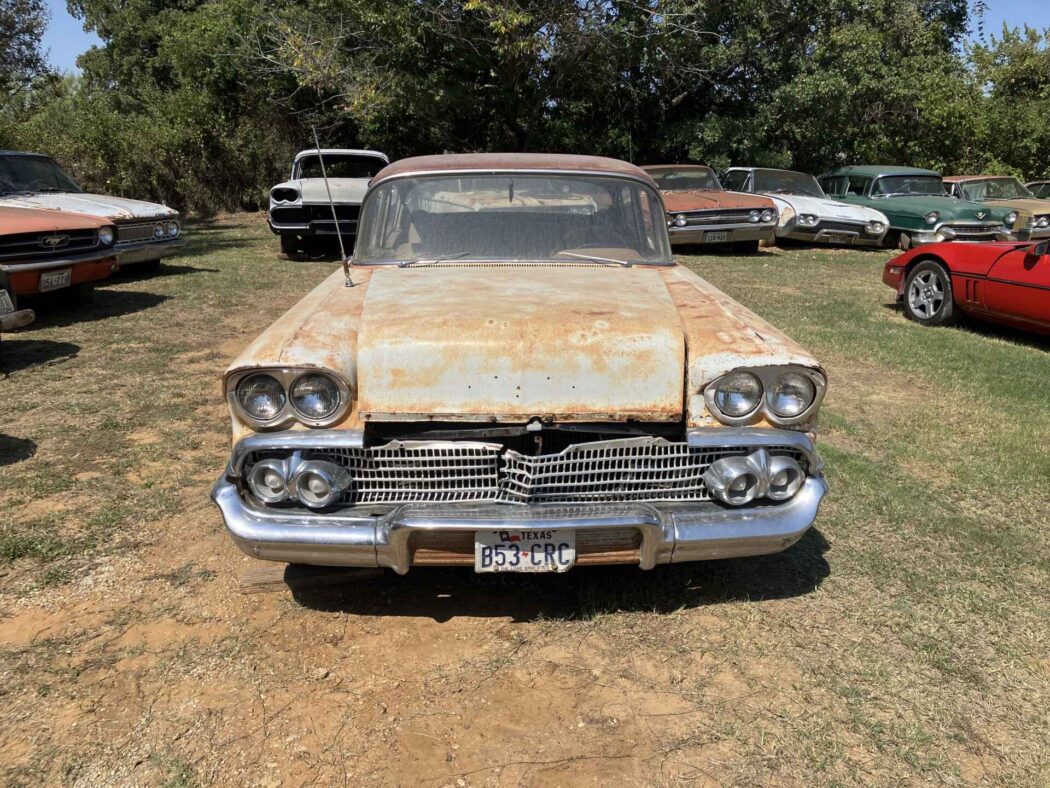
26 247
135 232
840 227
976 231
700 218
643 469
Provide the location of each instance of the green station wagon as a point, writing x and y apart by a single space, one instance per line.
919 210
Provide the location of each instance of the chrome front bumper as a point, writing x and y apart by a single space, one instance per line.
132 253
734 233
381 536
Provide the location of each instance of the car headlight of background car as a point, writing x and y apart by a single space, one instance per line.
784 395
1042 221
173 229
107 235
875 227
271 398
932 217
1010 218
768 215
808 220
284 194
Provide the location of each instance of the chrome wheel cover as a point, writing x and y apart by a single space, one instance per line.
926 294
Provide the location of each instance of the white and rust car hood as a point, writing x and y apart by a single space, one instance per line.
509 342
312 190
113 208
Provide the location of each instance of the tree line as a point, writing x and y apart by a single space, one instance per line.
201 103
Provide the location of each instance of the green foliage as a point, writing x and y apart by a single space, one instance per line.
201 104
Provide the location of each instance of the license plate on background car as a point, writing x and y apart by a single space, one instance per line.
524 551
716 238
52 280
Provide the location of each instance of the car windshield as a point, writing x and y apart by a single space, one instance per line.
684 178
786 182
909 186
339 166
33 174
995 189
512 217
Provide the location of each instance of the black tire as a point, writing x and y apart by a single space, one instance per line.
891 240
744 247
290 245
147 267
928 295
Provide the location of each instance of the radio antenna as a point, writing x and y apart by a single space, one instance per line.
331 202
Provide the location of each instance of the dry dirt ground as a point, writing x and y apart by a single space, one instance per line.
904 640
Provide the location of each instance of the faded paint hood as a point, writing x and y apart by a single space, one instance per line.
344 190
826 209
510 342
706 199
115 208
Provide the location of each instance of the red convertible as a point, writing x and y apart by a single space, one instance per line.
1006 283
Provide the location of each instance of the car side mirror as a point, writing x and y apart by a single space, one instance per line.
1036 253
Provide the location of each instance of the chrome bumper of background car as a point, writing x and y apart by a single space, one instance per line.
734 233
129 254
938 235
380 536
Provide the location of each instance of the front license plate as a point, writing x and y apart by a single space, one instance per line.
716 238
524 551
52 280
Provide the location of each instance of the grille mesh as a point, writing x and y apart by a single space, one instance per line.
988 231
713 217
31 246
641 469
136 232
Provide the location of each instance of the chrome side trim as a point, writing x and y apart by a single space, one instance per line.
759 436
292 440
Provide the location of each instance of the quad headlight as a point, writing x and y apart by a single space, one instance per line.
808 220
173 229
315 396
272 398
932 217
790 395
106 236
755 216
784 395
875 227
159 230
1010 218
737 394
680 220
284 194
1042 221
261 397
768 215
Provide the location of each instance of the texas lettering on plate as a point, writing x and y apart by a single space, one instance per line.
525 551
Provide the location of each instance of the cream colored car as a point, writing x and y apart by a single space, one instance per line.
513 374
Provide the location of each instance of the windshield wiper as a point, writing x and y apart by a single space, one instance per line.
431 260
596 259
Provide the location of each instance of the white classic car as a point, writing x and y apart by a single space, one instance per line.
513 374
806 213
300 211
146 231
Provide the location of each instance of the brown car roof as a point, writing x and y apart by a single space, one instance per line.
499 162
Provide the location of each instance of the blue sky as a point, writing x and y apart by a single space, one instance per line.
65 37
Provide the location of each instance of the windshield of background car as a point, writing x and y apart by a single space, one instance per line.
506 216
685 178
786 182
33 174
995 189
909 185
340 166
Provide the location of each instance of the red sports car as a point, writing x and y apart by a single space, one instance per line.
1006 283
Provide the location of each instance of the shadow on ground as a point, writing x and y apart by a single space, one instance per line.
17 354
136 273
14 449
443 594
58 311
982 328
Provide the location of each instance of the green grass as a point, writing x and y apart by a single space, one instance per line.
904 640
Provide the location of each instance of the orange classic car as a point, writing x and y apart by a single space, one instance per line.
43 251
700 211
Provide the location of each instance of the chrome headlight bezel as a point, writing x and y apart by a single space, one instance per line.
288 377
1010 219
768 215
932 217
754 216
285 194
874 227
808 220
1042 221
768 377
107 235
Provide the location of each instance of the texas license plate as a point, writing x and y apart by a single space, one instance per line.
716 238
52 280
524 551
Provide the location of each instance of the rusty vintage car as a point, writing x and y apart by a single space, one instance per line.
47 251
1004 191
512 373
700 211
